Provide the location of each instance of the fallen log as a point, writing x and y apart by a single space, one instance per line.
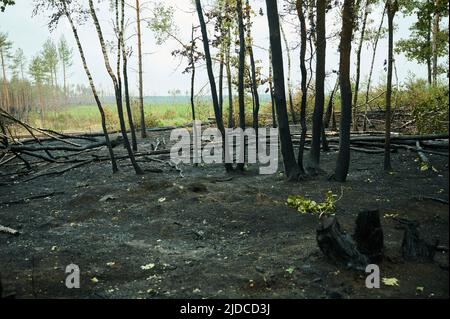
60 172
21 148
27 199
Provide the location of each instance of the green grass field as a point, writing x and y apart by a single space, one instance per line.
160 112
87 117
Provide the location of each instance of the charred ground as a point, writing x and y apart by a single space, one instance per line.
211 234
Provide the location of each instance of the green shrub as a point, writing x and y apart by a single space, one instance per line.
429 106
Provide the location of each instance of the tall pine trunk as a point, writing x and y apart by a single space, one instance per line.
358 66
94 91
212 81
304 84
372 64
241 72
343 162
289 81
392 8
117 86
320 84
290 165
140 71
125 80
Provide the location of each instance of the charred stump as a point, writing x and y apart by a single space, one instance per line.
369 235
414 248
339 246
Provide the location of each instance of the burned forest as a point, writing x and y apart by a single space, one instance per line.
224 149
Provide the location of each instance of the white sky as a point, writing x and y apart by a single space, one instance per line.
160 68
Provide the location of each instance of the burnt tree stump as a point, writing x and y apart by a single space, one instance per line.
369 236
339 246
414 248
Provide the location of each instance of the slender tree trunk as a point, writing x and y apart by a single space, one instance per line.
192 58
117 87
369 81
241 72
429 62
290 166
140 72
436 30
254 79
329 111
229 82
289 82
343 162
212 81
5 82
304 84
221 72
125 79
94 91
358 66
392 9
320 84
65 83
272 98
312 20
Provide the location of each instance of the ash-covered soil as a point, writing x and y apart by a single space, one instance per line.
211 234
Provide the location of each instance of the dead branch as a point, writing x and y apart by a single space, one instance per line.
27 199
8 230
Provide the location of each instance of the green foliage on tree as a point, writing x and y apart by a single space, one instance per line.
38 70
19 62
419 46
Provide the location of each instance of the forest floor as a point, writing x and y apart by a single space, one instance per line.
213 235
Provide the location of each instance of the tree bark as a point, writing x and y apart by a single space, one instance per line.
289 81
254 79
343 161
304 84
392 7
436 30
320 84
369 81
117 87
358 66
94 90
212 81
290 166
241 72
140 71
125 80
229 82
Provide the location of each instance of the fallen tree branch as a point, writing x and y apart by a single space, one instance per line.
27 199
8 230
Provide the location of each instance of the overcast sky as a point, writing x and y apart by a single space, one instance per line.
162 71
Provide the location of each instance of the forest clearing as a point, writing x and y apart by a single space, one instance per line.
108 191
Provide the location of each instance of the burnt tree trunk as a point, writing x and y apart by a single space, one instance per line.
414 248
93 89
369 235
304 84
212 81
241 74
343 162
338 246
392 8
290 165
320 84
